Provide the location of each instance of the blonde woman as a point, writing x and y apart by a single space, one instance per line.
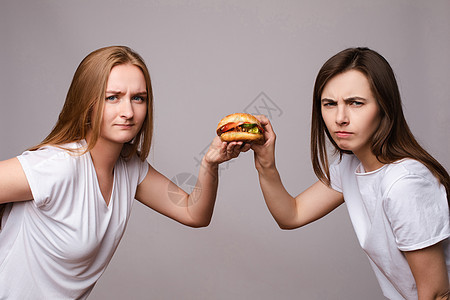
396 193
66 202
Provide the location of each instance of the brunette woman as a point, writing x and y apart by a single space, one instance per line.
396 193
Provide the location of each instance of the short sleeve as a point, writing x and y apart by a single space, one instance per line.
143 169
46 171
417 210
139 166
335 178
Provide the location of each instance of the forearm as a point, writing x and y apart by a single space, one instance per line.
200 203
281 204
429 269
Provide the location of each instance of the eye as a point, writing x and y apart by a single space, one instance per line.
111 98
328 103
138 99
356 103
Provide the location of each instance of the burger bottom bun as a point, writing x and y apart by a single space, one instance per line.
233 136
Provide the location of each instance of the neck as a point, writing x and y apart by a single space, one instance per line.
369 161
104 156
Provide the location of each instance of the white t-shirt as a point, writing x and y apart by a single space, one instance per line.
399 207
58 245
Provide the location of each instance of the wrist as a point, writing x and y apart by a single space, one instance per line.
210 165
267 169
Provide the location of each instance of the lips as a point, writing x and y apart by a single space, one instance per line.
343 134
124 126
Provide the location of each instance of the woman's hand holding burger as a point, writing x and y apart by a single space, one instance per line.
265 153
241 132
220 151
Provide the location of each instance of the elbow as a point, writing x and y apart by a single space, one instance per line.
284 227
198 223
287 226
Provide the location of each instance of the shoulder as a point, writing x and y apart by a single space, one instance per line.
409 182
52 159
410 166
135 167
415 204
52 169
407 172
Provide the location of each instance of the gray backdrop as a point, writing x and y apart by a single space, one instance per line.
208 59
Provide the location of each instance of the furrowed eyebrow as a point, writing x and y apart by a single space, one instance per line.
118 92
114 92
356 98
350 99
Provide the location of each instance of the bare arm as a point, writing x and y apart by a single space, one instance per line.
430 272
289 212
314 203
194 209
13 182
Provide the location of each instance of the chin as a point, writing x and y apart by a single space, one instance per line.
121 141
344 147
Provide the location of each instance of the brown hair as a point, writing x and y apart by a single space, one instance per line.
87 91
393 140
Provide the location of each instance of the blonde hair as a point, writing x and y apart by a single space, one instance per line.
87 94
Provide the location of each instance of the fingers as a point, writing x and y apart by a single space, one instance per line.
221 151
262 119
267 126
234 148
245 147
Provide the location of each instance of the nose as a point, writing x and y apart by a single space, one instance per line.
126 109
342 115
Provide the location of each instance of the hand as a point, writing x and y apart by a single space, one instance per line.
265 154
220 151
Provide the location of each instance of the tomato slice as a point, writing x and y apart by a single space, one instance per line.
233 125
228 127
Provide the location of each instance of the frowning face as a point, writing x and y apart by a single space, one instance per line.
350 111
125 106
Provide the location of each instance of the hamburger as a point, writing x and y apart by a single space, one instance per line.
240 127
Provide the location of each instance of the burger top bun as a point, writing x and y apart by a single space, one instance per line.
238 117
